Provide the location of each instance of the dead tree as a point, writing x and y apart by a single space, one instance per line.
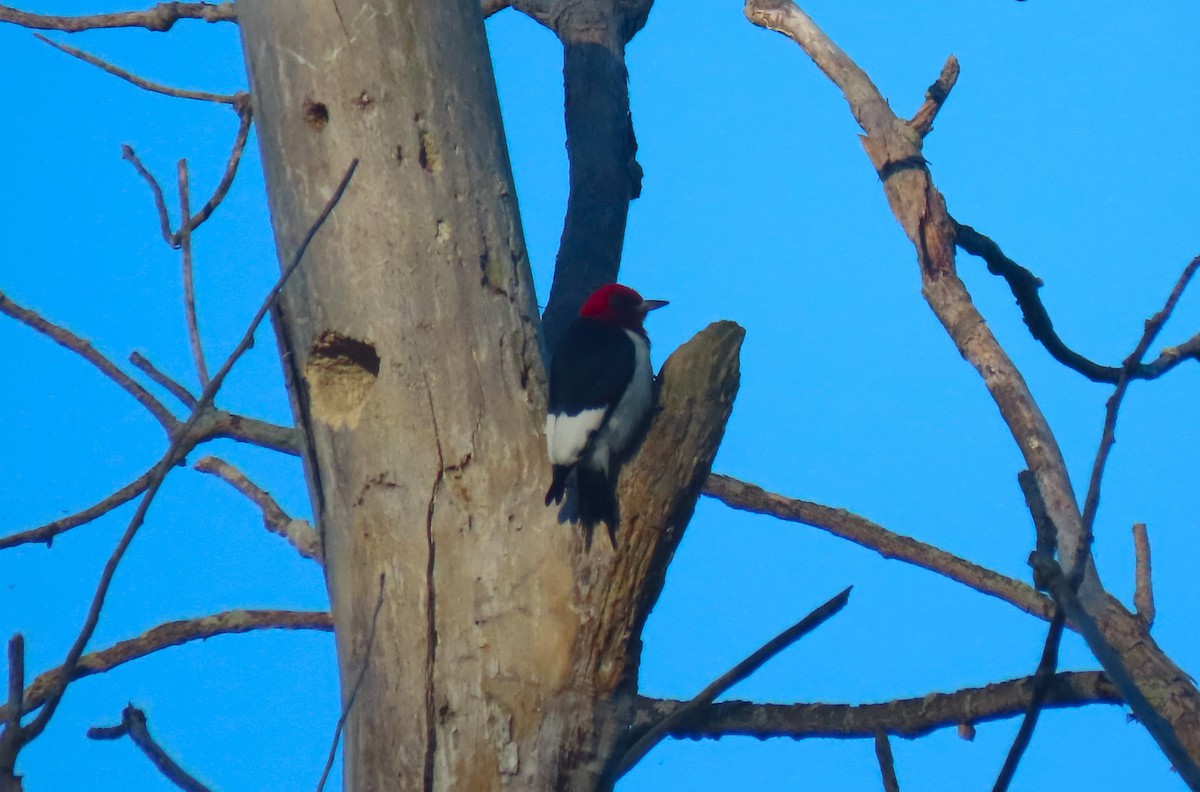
482 644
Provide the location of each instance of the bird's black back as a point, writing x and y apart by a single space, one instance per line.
575 388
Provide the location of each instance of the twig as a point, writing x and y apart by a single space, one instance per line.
140 82
133 724
164 220
887 764
730 678
299 533
166 381
1025 289
10 737
1143 587
159 18
935 97
175 633
362 674
46 533
189 291
839 522
67 669
909 718
1041 686
1108 437
64 337
245 116
213 425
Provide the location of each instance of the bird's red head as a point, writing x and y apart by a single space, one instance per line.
619 305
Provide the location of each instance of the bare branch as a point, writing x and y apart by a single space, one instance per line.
1143 587
140 82
1025 289
909 718
133 723
285 439
1119 640
1108 437
299 533
362 674
164 220
189 291
47 532
245 117
887 764
67 670
65 338
160 18
164 380
175 633
212 424
706 697
935 97
839 522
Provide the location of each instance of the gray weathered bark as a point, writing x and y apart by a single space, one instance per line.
410 336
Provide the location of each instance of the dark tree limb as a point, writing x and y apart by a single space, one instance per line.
887 763
601 146
133 725
298 533
839 522
1042 679
909 718
1025 288
161 18
654 735
175 633
10 735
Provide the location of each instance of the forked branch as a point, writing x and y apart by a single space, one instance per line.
133 725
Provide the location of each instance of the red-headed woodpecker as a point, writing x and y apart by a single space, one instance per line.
601 396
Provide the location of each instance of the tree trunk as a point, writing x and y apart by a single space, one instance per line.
411 334
501 648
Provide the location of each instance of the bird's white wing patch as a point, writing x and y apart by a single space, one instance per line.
567 435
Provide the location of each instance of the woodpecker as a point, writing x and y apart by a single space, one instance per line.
601 397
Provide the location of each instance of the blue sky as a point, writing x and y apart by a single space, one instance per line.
1070 139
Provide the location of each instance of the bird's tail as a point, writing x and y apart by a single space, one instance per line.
558 484
597 502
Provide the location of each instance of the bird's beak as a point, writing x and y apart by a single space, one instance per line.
649 305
